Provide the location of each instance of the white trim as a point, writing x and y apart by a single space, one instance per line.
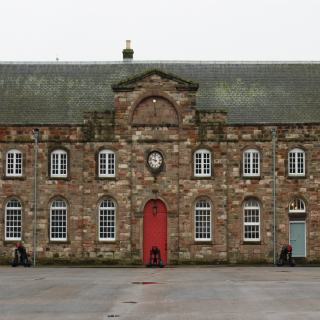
297 210
64 208
108 154
199 164
295 152
59 164
107 208
15 163
6 219
252 224
207 208
305 236
251 152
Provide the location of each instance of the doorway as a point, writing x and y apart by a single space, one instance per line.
155 229
297 238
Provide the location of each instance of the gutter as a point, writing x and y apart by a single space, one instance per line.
274 132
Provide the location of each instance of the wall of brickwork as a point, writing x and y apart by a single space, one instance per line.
132 139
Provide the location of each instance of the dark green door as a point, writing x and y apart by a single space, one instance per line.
298 239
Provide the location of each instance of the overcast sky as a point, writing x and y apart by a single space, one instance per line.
160 30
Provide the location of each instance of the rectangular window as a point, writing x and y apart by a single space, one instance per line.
251 224
58 224
14 163
296 162
202 225
13 224
107 224
202 163
251 163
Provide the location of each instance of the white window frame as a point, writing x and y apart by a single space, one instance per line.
59 154
16 162
10 224
110 158
62 223
251 162
202 220
107 220
253 224
297 205
200 165
293 157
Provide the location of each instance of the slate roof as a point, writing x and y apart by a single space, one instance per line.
58 92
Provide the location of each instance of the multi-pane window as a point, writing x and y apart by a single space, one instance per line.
13 220
251 218
203 220
107 220
296 162
58 220
297 205
202 163
106 163
251 162
59 163
14 163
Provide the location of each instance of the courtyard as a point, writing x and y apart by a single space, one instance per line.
238 292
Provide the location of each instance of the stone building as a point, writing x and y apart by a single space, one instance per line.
175 154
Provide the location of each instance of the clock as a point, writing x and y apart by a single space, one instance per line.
155 161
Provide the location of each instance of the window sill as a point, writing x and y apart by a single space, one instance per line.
201 242
60 178
296 177
13 178
5 242
202 178
251 177
106 178
106 242
59 242
246 242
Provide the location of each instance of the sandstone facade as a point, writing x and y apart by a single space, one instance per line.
173 126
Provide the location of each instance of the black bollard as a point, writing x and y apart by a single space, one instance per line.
155 258
24 261
286 256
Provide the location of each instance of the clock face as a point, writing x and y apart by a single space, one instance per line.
155 160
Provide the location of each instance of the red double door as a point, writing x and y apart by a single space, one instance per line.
155 230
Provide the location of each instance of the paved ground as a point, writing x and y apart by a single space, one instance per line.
178 293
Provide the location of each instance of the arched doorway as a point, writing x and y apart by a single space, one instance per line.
155 229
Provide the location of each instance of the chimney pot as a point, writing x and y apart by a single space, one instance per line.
127 52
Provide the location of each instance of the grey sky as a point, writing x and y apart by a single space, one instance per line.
160 30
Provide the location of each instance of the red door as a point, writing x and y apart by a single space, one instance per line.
155 230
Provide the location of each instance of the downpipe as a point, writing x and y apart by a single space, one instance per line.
36 133
274 132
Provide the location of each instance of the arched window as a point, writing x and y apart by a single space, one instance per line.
297 205
202 163
59 163
202 220
14 163
297 162
251 218
251 163
107 220
13 220
58 220
107 163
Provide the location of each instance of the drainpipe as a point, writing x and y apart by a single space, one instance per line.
36 133
274 132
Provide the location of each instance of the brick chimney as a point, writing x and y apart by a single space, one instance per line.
127 52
